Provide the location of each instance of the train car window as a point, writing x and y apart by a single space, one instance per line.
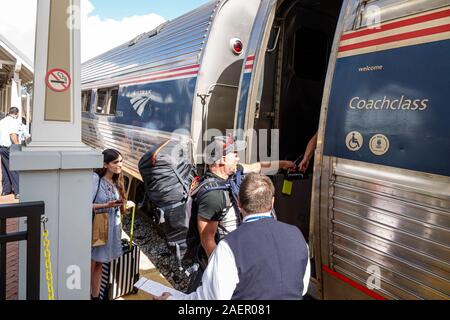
372 12
112 101
107 101
86 101
101 98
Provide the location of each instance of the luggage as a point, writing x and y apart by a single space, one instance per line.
120 275
167 174
169 177
171 183
293 207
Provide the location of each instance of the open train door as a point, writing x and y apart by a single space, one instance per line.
280 98
250 90
257 114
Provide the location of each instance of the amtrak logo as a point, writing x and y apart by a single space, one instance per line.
140 100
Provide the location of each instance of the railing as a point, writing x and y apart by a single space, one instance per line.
33 212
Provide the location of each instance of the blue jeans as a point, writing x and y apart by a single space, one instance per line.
10 179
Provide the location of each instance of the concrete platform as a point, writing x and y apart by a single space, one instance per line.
147 268
148 271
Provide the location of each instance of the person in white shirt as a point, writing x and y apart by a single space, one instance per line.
263 259
24 133
9 135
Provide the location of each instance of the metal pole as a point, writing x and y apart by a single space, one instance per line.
33 256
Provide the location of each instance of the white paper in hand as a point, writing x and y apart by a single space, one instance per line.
157 289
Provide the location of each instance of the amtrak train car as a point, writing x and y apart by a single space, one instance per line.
139 94
371 77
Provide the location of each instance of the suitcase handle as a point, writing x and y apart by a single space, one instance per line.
131 205
297 176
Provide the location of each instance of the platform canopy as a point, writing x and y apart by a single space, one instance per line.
11 60
16 70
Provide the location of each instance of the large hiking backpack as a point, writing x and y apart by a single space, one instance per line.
168 178
171 184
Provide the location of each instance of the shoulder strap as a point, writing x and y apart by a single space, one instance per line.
202 185
155 154
185 187
98 188
203 189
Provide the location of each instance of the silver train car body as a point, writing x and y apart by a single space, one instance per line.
373 76
190 55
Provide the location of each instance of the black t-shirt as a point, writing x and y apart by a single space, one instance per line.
211 206
218 206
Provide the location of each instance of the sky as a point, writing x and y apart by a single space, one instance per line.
169 9
105 24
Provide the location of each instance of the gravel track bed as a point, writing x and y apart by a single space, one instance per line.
156 249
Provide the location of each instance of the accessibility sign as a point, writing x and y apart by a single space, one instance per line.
58 80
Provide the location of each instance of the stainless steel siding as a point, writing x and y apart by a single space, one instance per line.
402 228
132 142
180 42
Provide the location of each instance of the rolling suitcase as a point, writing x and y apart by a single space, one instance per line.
120 275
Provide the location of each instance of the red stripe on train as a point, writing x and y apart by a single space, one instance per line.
354 284
399 24
166 71
160 72
397 37
160 78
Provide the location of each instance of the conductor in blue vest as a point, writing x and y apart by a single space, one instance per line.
263 259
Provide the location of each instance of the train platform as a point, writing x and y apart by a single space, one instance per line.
146 270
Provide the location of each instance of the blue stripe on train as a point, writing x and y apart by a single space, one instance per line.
418 76
163 106
243 101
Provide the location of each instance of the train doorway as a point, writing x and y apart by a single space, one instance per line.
295 69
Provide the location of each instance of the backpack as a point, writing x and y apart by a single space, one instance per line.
195 250
171 184
231 186
168 177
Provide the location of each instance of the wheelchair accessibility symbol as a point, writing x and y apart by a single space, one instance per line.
354 141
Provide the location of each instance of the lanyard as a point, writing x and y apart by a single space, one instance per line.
257 218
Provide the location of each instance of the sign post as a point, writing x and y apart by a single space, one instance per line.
56 167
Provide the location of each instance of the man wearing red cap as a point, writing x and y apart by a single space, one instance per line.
216 212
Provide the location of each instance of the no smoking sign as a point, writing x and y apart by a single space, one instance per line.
58 80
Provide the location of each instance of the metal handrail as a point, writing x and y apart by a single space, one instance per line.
33 212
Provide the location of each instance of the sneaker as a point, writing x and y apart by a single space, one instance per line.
17 196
